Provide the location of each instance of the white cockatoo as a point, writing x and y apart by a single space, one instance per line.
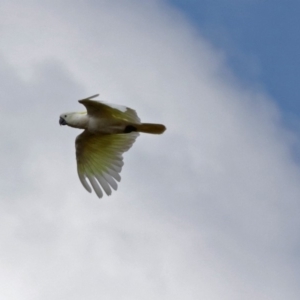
109 131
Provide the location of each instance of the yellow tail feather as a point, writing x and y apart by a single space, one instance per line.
150 128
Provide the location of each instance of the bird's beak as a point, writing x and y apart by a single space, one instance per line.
62 121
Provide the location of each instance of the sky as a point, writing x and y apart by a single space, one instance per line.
260 40
208 210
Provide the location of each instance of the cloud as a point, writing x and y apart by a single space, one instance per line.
207 210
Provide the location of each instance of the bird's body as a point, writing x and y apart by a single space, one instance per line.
109 131
82 120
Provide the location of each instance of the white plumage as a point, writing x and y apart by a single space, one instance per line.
109 131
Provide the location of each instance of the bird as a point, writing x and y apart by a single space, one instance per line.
109 131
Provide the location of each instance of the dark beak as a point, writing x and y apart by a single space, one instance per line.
62 121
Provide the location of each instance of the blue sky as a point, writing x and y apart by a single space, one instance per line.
261 41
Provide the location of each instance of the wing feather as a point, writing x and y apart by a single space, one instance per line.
111 181
84 183
106 110
95 186
99 159
104 184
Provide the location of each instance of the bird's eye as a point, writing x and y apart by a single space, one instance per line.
65 116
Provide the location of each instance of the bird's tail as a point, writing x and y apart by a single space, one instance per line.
150 128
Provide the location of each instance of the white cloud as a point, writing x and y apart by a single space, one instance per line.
207 210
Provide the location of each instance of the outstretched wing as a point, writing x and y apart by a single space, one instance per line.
107 110
99 158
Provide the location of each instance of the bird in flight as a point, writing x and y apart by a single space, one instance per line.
109 131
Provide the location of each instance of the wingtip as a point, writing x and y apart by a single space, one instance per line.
90 97
84 182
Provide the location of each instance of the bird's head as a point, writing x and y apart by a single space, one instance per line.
65 118
73 119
